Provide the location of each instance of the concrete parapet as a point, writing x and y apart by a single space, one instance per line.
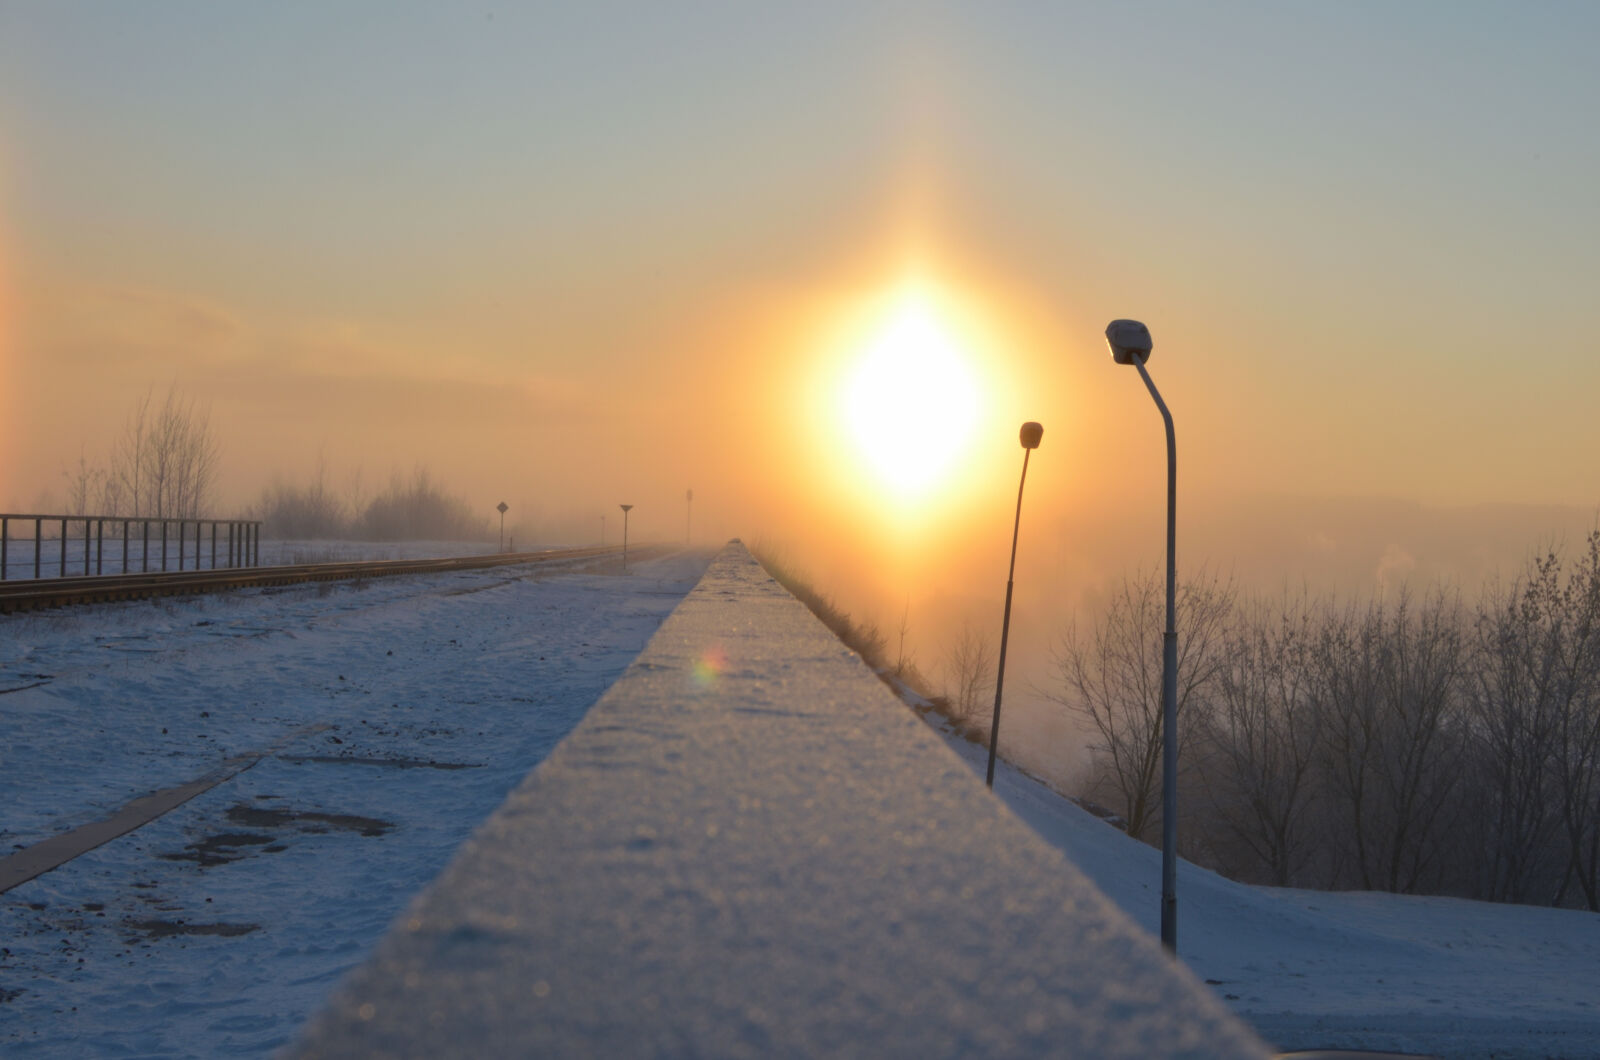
750 848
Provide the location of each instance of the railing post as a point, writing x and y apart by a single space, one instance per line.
63 548
88 534
4 552
144 565
213 546
99 546
182 526
163 546
197 544
38 541
125 546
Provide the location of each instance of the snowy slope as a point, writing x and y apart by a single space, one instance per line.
1312 969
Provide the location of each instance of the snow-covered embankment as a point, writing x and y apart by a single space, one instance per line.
748 847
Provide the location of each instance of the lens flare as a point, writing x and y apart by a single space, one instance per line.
711 664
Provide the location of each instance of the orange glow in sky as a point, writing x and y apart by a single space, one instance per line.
819 263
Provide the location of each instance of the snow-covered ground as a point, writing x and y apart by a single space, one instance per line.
219 927
1351 970
390 718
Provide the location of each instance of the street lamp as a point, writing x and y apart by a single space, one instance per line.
502 508
1031 433
1130 344
626 508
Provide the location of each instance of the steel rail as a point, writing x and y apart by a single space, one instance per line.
63 592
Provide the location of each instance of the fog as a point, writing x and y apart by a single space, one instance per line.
563 462
1069 561
566 261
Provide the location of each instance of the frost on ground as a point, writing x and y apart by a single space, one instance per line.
393 716
1353 970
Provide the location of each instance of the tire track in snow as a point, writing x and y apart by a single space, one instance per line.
38 859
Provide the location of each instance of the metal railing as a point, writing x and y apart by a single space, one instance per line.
144 544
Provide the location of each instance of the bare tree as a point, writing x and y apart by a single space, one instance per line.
1388 683
1113 680
1521 693
86 488
165 463
1578 741
355 494
129 457
1262 736
903 662
970 674
420 510
311 511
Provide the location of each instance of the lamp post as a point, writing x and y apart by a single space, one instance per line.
1130 344
1031 434
626 508
502 508
688 517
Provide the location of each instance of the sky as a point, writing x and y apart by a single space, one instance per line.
571 256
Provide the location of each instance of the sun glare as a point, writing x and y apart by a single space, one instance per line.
910 402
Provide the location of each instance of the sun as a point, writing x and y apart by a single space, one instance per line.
911 400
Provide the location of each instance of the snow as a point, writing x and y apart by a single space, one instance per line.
1352 970
749 847
490 670
438 693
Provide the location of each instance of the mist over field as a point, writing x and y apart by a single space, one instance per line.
921 577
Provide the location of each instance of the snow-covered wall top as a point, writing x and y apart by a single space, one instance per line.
750 848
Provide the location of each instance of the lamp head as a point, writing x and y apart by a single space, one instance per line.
1129 341
625 507
1031 433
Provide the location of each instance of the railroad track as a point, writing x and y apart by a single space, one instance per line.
65 592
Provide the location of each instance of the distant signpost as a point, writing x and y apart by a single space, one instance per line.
503 508
626 508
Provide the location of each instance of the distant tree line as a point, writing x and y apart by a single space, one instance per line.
1407 743
162 465
410 509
